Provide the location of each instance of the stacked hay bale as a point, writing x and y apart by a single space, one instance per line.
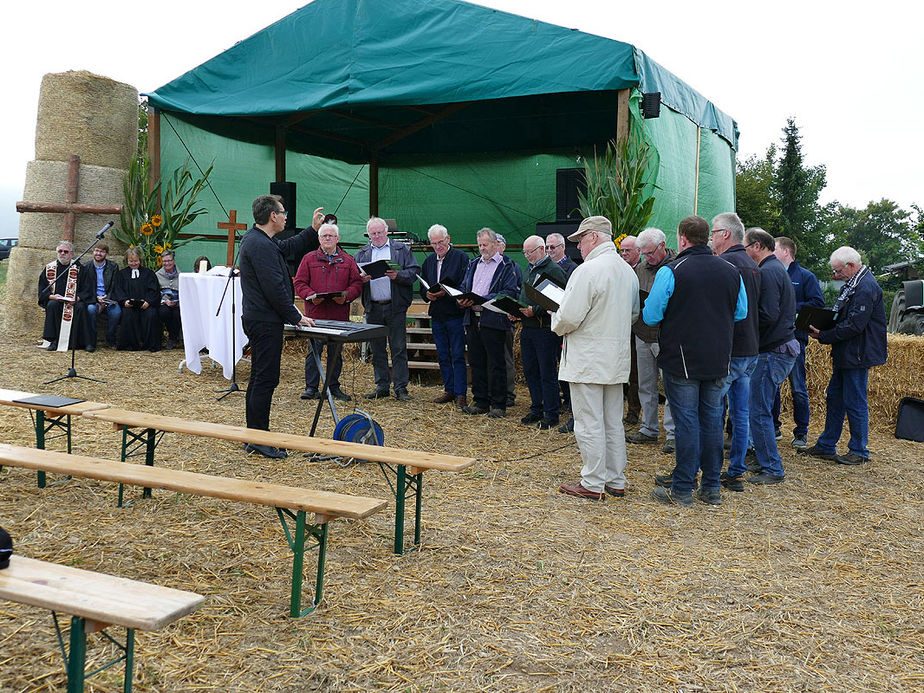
95 118
899 377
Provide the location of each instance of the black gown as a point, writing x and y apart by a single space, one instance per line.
139 329
86 291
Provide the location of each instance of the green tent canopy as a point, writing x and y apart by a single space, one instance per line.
440 96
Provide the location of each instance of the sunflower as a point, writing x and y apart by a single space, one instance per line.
619 240
147 229
158 249
157 220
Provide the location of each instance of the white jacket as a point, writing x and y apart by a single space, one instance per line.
595 317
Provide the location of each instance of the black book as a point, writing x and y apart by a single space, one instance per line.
820 318
546 293
378 268
506 304
327 294
49 400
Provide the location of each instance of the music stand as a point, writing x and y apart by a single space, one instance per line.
233 387
72 371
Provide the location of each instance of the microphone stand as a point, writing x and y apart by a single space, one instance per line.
72 371
233 387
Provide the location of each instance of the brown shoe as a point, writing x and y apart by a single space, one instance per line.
461 401
579 490
613 491
444 398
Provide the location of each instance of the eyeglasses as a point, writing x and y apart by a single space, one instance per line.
531 250
715 231
553 247
751 245
63 250
283 212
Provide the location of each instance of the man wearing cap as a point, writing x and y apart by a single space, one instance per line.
386 300
595 318
696 299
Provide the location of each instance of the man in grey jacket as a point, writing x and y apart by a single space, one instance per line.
385 301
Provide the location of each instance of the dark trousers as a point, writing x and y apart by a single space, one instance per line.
633 405
489 367
449 336
265 354
80 336
312 375
382 314
539 351
170 318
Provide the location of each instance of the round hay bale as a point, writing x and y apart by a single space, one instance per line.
46 181
72 119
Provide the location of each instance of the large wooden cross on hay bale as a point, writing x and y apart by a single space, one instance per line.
70 208
232 226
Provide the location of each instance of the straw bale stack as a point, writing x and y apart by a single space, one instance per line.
85 114
95 118
901 376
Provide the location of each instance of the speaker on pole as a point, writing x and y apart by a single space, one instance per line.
286 191
568 181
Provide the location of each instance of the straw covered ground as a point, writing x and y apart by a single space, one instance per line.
813 585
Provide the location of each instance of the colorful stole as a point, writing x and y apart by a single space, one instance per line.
70 292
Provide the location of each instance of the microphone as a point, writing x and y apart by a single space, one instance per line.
99 234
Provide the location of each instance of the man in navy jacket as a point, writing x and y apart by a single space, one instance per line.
858 342
446 265
808 293
488 275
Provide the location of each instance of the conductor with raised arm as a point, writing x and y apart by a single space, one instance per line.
268 302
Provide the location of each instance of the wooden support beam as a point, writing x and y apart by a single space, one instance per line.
154 147
421 124
622 114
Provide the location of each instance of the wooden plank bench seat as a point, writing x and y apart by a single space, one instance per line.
94 601
407 466
289 501
47 417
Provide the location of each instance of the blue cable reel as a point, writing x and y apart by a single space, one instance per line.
359 427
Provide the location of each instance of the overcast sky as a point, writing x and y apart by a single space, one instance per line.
850 77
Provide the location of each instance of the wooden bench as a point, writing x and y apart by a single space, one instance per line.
47 417
94 601
290 502
407 466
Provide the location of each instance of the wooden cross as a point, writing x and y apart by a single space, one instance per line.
70 208
233 227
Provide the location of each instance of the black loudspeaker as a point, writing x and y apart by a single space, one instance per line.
651 104
568 182
286 191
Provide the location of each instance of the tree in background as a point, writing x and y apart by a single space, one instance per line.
753 180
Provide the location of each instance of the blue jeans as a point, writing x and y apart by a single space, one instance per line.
771 371
800 402
113 314
696 406
847 395
449 336
539 350
739 393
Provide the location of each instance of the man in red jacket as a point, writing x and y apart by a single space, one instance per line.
327 270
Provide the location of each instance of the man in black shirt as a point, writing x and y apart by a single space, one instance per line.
268 301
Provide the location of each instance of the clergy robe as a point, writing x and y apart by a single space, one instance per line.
139 328
86 291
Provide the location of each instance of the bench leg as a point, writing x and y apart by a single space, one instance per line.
77 657
403 482
149 439
297 544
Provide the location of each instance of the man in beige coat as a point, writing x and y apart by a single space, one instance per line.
595 317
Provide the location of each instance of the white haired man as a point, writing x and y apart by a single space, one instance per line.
595 318
385 301
446 265
858 342
653 245
64 291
